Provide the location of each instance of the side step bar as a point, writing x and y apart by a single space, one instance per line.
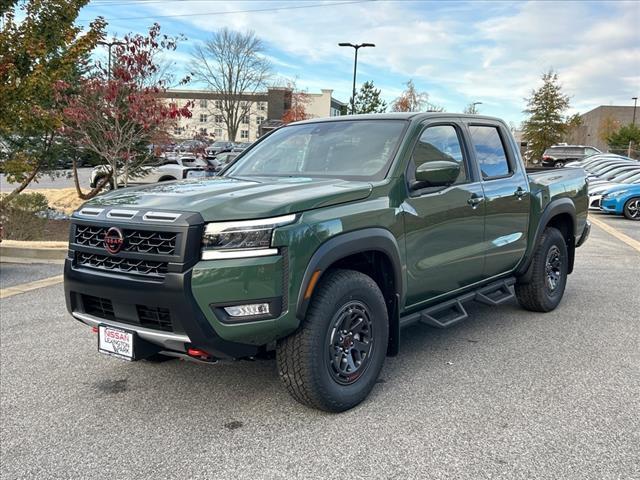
450 312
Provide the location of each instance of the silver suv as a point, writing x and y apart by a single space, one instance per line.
558 155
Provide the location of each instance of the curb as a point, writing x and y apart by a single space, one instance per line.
9 253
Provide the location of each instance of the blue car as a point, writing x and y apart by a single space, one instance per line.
622 200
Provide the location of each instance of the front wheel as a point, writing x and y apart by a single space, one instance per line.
632 208
558 164
333 361
549 276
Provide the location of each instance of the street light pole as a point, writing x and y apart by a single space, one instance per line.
474 106
109 45
635 103
356 47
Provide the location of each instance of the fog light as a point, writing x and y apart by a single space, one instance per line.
248 310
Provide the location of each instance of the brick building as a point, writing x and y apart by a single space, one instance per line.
266 106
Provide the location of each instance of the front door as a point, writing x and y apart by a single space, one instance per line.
444 227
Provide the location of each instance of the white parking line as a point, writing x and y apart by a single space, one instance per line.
616 233
29 286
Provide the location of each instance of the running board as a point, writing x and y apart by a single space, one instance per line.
452 311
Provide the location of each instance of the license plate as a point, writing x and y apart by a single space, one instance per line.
115 342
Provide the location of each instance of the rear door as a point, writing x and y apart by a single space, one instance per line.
444 227
506 192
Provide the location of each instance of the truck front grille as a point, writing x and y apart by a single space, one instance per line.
121 265
138 241
154 318
157 318
98 307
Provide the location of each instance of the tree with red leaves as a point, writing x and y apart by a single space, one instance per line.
300 99
118 116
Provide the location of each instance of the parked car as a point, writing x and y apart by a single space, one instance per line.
596 189
593 159
240 147
223 159
217 148
558 155
321 242
622 200
164 169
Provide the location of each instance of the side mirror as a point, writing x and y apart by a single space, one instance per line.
440 173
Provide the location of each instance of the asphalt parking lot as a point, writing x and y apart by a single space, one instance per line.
507 394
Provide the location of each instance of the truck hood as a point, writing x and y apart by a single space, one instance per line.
238 198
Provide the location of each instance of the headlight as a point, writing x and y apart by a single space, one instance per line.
247 238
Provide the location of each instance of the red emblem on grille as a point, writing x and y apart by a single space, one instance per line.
113 240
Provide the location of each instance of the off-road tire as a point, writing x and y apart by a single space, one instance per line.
536 295
631 203
304 358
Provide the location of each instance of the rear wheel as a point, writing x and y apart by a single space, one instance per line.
333 361
559 164
549 276
632 208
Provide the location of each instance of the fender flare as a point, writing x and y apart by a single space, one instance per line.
350 243
554 208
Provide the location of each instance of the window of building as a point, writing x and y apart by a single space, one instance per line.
203 103
262 106
177 131
203 131
244 134
219 119
490 151
203 118
440 143
218 132
218 104
259 119
245 119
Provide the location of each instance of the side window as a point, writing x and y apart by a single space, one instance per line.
490 152
440 142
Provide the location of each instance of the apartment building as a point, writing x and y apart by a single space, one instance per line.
207 120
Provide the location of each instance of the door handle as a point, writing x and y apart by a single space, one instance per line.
520 192
475 200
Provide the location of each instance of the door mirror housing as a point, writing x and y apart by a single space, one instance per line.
440 173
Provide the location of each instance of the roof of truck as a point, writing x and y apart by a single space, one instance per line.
397 116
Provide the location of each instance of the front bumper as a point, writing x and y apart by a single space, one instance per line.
190 328
611 205
594 202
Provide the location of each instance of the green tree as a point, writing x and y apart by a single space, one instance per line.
625 141
40 49
368 99
546 124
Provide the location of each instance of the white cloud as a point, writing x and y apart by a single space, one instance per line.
459 52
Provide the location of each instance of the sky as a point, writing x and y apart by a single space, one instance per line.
457 52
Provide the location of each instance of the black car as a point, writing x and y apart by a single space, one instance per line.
557 156
217 148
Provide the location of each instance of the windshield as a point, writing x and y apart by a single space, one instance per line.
350 149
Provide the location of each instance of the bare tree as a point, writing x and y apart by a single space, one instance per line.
231 64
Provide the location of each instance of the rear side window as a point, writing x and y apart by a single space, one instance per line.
440 142
490 151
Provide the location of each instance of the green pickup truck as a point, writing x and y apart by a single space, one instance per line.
320 242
